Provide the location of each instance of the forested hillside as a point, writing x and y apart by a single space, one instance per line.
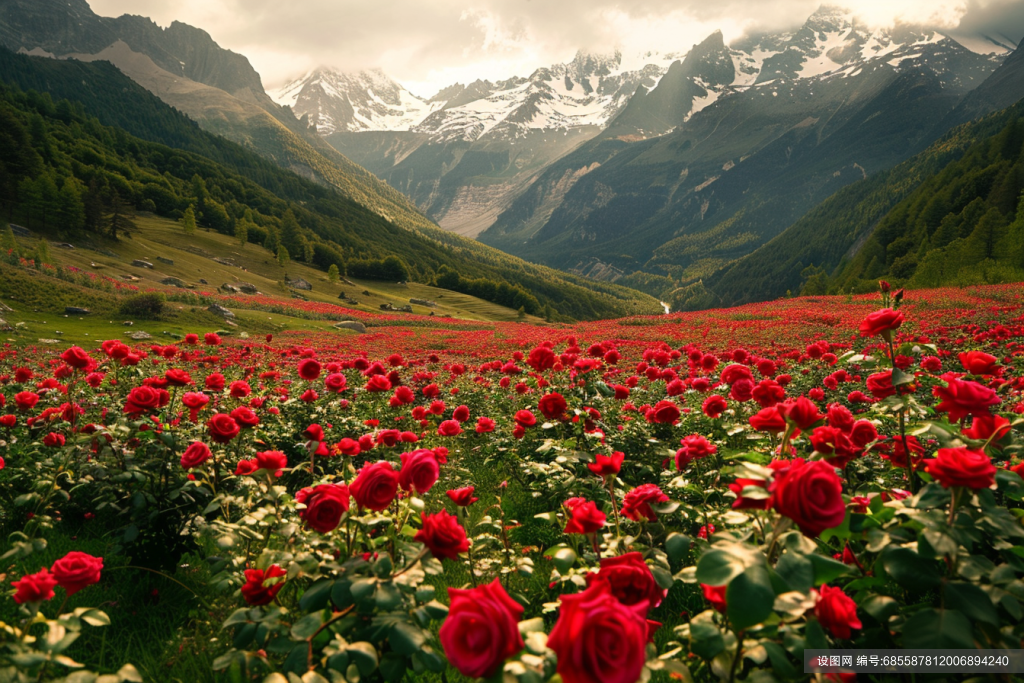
111 147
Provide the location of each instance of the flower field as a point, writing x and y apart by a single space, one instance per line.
699 496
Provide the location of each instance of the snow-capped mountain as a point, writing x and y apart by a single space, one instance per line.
364 100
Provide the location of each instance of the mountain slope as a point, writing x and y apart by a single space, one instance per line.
839 228
355 231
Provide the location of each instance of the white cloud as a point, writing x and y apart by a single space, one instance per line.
428 44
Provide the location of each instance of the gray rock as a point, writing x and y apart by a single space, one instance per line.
366 292
4 325
387 307
230 288
174 282
225 261
404 309
168 261
107 252
248 288
423 302
19 230
299 296
139 263
342 296
64 245
300 284
203 282
75 310
139 335
353 325
128 323
220 310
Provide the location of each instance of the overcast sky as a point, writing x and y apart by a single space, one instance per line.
428 44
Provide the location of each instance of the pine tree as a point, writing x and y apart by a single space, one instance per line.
188 221
291 232
242 232
43 252
8 243
282 255
93 204
72 208
48 200
333 274
271 242
121 217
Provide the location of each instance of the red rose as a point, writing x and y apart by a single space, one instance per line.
880 384
840 416
715 595
461 414
26 400
375 486
54 440
481 630
630 580
194 401
990 428
214 382
862 433
584 518
222 428
377 383
76 357
974 362
742 390
743 503
177 378
442 535
604 465
810 494
881 322
272 461
212 339
245 417
962 398
836 611
195 455
636 504
256 591
552 406
484 425
961 467
309 369
325 504
541 358
714 405
36 587
898 456
768 392
802 413
348 447
145 399
449 428
76 570
664 412
239 389
768 420
733 373
335 383
598 639
420 471
462 497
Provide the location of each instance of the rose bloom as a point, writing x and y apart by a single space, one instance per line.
836 611
801 412
375 486
552 406
272 461
377 384
177 377
604 465
974 362
524 418
462 497
325 504
962 398
76 570
637 503
245 417
214 382
742 503
255 589
461 414
449 428
714 405
715 595
309 369
664 412
481 630
239 389
584 518
598 639
36 587
810 494
630 580
768 392
988 428
880 384
195 455
335 383
484 425
222 428
953 467
881 322
54 440
442 535
76 357
420 470
768 420
145 400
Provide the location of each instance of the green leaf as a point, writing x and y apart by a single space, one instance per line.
304 628
387 597
341 594
363 588
909 569
826 569
972 601
780 661
129 673
796 570
392 667
316 596
297 660
564 559
662 577
406 639
749 597
935 629
899 378
364 656
676 546
880 607
705 639
718 567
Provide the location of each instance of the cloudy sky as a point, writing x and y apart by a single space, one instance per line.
428 44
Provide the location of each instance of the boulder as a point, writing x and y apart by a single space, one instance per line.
230 288
387 307
299 296
139 335
4 325
19 230
300 284
174 282
64 245
353 325
342 295
202 281
139 263
423 302
168 261
220 310
404 309
248 288
75 310
225 261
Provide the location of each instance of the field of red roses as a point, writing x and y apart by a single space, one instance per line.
691 497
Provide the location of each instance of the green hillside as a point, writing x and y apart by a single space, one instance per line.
164 163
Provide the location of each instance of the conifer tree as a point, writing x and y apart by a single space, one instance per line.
333 274
242 232
43 252
282 255
188 221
